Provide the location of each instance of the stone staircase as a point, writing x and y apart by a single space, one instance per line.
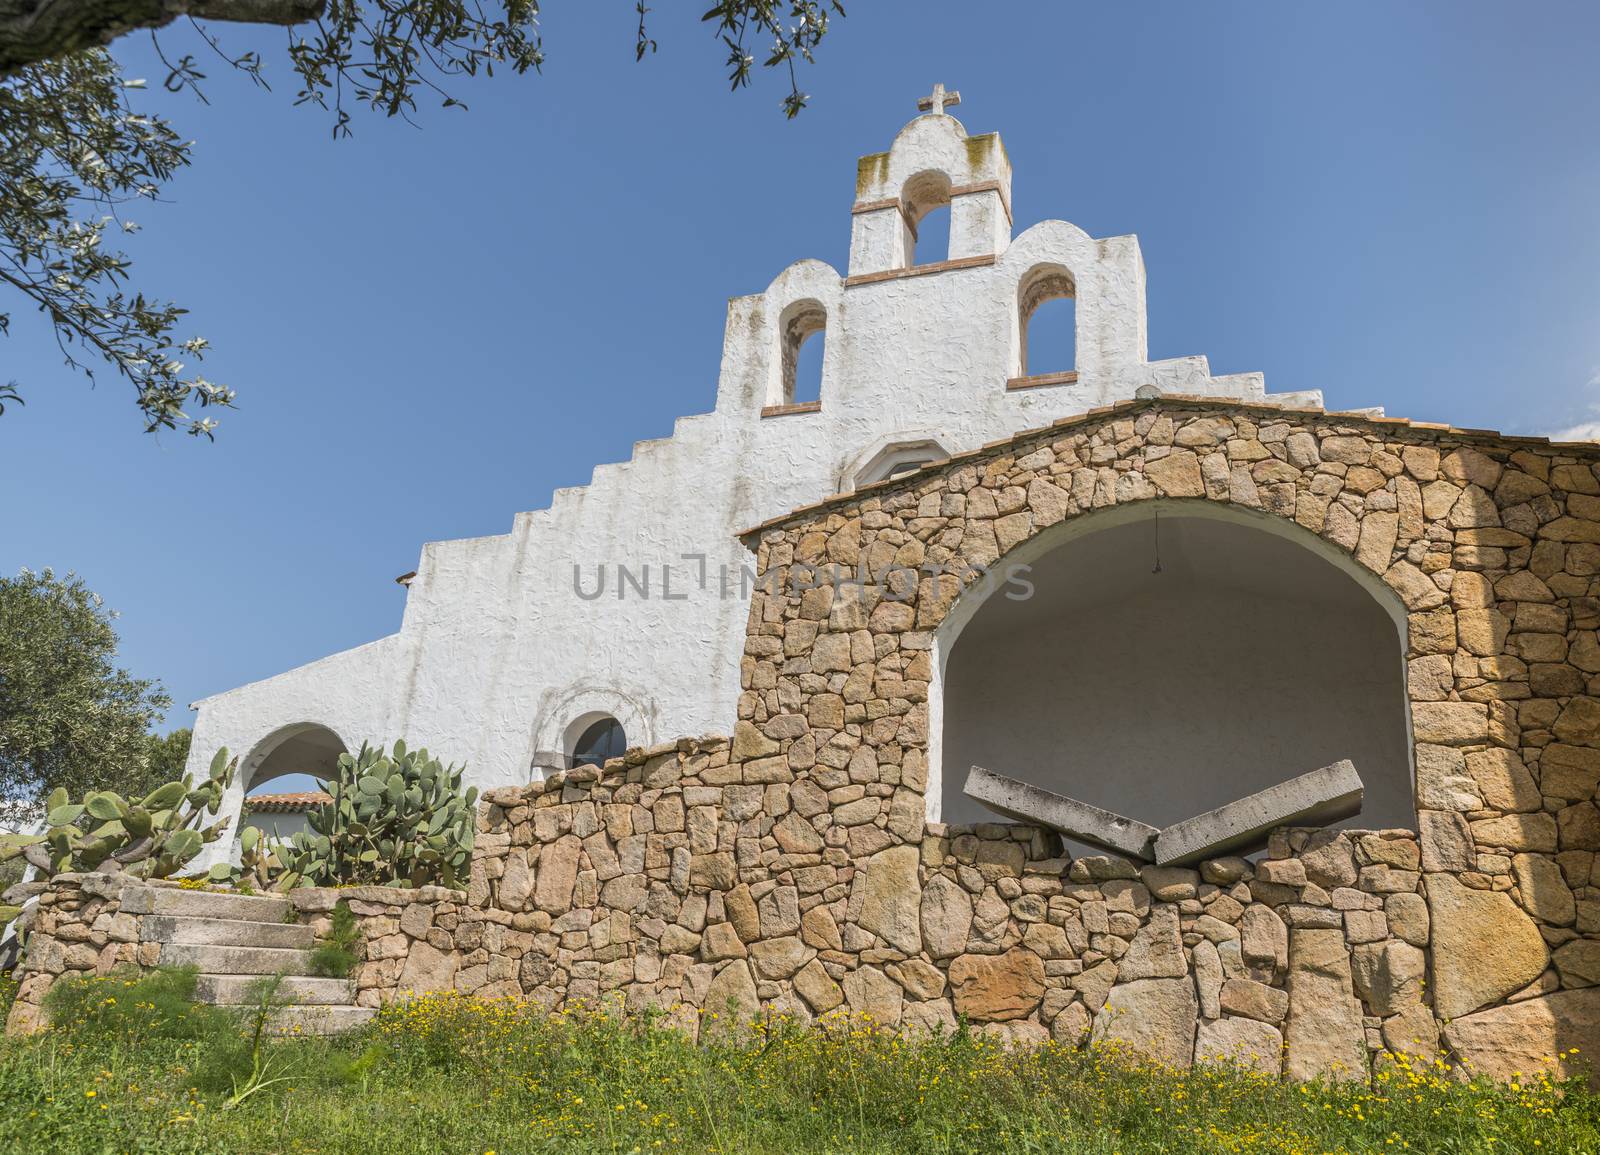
234 940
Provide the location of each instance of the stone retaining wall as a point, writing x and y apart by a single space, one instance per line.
405 934
77 929
672 883
82 926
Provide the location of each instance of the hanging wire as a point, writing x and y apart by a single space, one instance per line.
1158 542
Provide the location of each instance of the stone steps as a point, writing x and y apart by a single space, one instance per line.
317 1020
167 900
235 960
226 932
234 990
236 940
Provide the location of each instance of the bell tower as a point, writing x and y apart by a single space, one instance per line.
932 162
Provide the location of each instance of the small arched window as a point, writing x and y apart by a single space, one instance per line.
1047 328
803 334
600 741
925 207
895 459
900 468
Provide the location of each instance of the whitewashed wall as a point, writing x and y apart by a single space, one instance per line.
497 655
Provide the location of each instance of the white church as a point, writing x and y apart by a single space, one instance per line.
616 616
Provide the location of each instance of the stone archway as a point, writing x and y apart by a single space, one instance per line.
1252 654
1492 547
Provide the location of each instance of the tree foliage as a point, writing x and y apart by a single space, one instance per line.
74 149
69 717
73 154
168 756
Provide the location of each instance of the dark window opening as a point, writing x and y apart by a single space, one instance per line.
601 742
901 467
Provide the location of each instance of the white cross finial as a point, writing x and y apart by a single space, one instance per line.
936 102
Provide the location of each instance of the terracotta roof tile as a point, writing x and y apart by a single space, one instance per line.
286 803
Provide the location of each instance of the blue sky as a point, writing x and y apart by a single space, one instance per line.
430 329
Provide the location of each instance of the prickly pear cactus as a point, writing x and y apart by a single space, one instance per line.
151 838
396 819
260 866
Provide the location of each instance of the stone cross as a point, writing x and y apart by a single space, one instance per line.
935 103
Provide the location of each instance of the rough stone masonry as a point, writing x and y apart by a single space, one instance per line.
791 865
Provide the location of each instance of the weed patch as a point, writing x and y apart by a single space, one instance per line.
336 957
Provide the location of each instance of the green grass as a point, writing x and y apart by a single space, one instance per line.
145 1072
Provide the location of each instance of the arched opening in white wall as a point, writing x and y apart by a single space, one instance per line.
925 206
803 337
1047 323
594 739
281 775
291 756
1249 653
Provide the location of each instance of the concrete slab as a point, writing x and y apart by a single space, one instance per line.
1077 820
1319 798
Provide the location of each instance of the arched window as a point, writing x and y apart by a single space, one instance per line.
925 204
599 742
803 333
1047 327
897 458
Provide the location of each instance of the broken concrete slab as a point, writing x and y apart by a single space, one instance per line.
1077 820
1319 798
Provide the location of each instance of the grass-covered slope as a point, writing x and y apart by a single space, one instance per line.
132 1066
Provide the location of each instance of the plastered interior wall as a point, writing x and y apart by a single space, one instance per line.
1246 660
497 652
280 826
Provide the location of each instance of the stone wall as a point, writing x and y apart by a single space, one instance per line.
77 928
1491 543
676 882
410 939
89 924
792 865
